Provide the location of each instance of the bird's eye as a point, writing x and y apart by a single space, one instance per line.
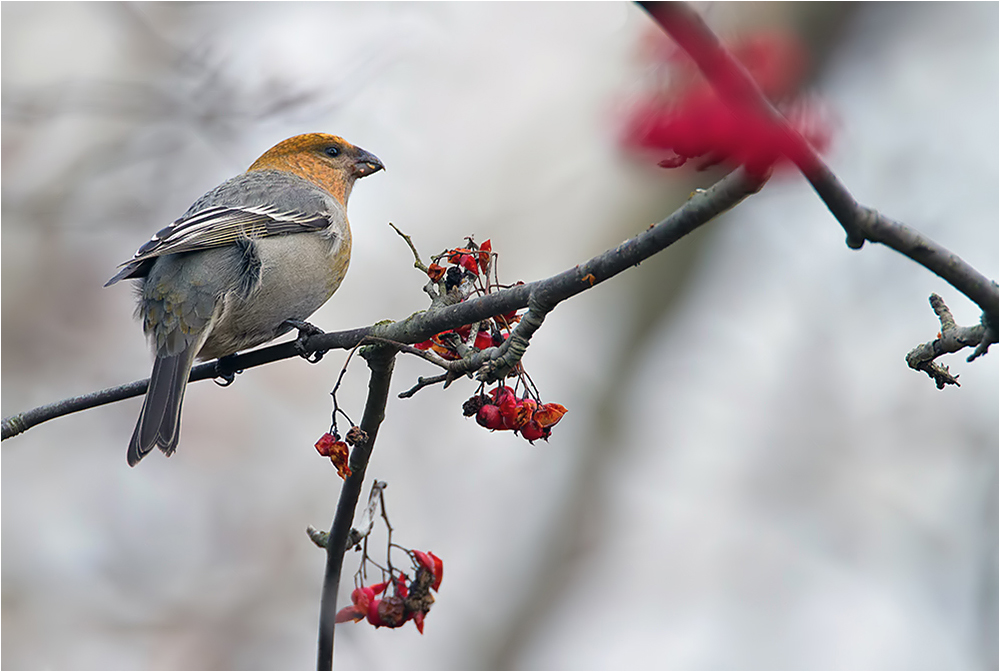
333 151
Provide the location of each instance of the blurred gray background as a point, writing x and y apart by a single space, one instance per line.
749 476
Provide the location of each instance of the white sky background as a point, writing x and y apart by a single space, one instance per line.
766 485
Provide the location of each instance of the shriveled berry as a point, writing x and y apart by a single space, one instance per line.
522 413
326 444
473 404
391 611
452 278
435 272
548 415
356 435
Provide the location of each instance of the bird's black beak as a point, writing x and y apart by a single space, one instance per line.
366 163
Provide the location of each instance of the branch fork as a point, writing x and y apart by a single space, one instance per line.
952 338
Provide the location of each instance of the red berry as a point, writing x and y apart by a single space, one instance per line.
489 417
532 431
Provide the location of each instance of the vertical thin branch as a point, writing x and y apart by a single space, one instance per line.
380 360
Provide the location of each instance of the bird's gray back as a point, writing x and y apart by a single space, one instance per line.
280 189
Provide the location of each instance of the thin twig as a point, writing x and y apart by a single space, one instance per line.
388 527
367 522
422 383
431 357
336 386
417 263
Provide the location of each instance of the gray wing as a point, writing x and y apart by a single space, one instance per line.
248 206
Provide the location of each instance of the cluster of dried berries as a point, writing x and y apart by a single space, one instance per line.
473 258
468 273
486 336
409 601
330 445
690 119
502 409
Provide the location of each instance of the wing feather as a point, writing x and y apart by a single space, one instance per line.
218 226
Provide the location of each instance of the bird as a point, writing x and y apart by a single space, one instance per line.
250 260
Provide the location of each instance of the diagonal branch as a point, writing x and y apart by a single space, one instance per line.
701 208
735 85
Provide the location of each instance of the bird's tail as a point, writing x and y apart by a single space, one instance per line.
160 420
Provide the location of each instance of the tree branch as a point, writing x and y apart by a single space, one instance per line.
701 208
951 339
422 383
380 360
735 85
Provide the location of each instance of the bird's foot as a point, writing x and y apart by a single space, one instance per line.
225 372
305 331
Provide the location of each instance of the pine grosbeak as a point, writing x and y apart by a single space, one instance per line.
265 247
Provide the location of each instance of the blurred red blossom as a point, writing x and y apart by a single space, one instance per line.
691 119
